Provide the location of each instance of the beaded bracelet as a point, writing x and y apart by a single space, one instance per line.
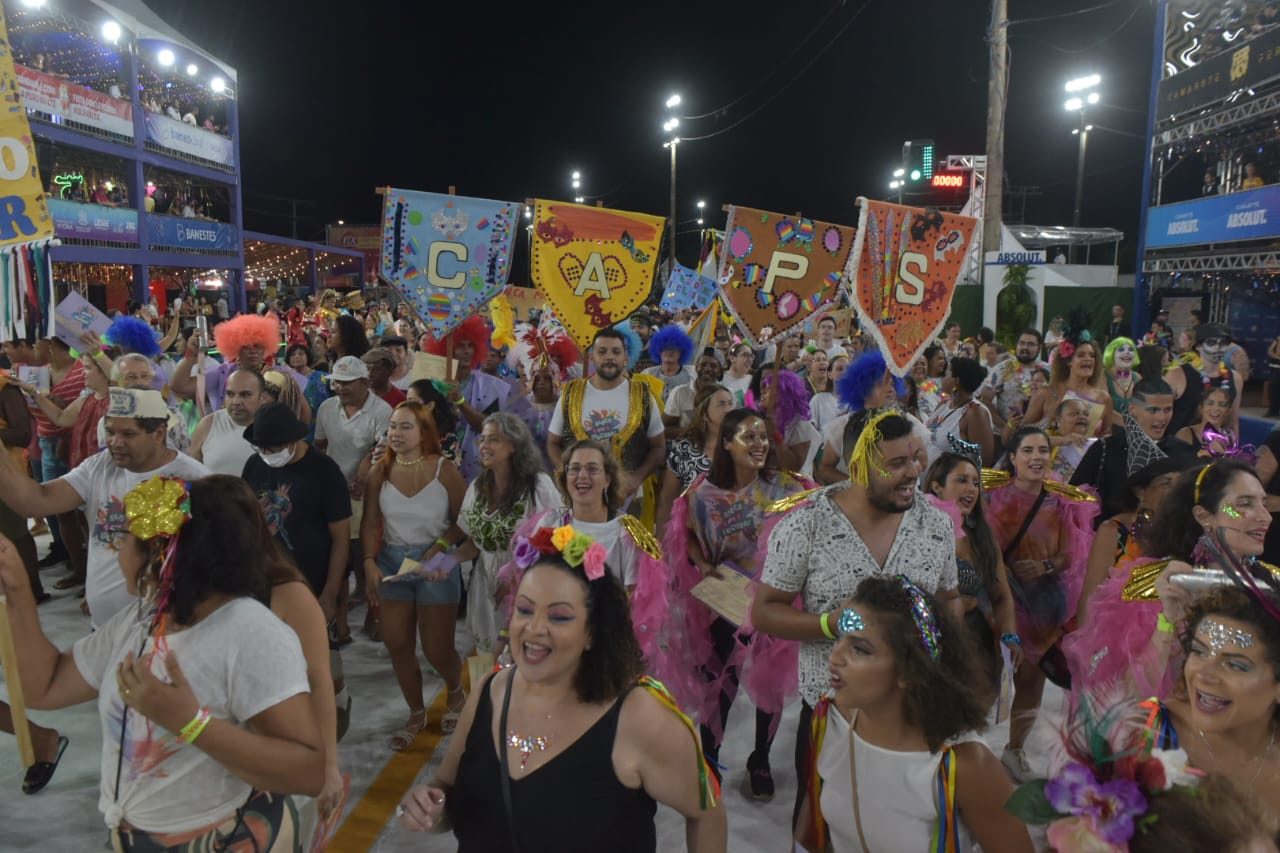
1011 639
192 730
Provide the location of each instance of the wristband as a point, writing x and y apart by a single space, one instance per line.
1163 625
192 730
459 401
1011 639
442 544
826 628
504 634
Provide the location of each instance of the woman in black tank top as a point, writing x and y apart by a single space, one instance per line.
560 752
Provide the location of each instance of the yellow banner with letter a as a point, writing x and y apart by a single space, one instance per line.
595 266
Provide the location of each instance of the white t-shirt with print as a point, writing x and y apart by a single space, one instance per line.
102 485
167 786
605 413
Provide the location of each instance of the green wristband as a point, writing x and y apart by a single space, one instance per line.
1163 624
826 628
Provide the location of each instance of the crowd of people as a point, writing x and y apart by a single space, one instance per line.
633 536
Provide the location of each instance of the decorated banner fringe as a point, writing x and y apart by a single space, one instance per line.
902 275
26 291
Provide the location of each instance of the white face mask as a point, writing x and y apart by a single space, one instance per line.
279 459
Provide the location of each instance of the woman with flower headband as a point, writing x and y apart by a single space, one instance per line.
1215 407
412 579
1120 782
1044 530
716 529
511 487
182 685
953 483
896 759
589 484
561 751
1076 373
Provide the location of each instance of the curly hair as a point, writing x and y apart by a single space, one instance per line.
671 337
303 348
132 335
1174 531
247 330
475 331
968 373
525 463
1232 602
207 560
613 661
1109 354
1216 814
792 399
942 696
612 500
986 553
351 333
722 464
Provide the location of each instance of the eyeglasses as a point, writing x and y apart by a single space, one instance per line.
592 471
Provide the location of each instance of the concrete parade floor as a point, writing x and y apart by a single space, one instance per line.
64 816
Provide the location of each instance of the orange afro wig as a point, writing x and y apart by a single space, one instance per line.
474 330
247 330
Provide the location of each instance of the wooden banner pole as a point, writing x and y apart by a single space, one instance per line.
17 707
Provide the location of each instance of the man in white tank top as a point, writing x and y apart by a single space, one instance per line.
219 440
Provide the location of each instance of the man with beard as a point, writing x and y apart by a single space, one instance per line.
1188 380
613 410
679 408
1009 387
1104 465
218 440
136 421
873 524
642 325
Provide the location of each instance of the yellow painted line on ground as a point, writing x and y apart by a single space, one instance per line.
360 831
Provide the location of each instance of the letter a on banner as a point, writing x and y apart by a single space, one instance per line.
594 266
903 272
446 254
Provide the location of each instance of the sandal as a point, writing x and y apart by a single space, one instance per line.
39 774
69 582
403 737
449 722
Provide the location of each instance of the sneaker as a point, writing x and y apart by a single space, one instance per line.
51 560
758 784
1015 761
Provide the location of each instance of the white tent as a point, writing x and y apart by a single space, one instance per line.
134 16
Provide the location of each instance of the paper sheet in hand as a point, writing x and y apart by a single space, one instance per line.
74 316
427 366
36 375
729 596
409 569
1005 702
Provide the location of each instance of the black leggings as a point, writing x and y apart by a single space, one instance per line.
723 639
802 758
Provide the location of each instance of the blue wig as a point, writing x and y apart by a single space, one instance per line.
631 342
670 337
130 334
861 378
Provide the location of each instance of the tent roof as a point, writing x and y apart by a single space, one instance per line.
1042 236
136 17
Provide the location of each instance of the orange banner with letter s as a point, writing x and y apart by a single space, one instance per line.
903 273
595 266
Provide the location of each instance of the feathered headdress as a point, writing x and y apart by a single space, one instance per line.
504 323
1075 331
546 345
861 378
671 337
130 334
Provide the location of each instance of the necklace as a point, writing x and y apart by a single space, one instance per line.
527 744
1258 760
411 462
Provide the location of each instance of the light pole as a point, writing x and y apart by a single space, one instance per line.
670 126
702 206
898 182
1083 94
575 181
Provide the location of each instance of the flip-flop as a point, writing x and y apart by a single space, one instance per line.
69 582
39 774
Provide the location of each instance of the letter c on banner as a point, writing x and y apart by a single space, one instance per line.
453 282
913 294
785 265
14 160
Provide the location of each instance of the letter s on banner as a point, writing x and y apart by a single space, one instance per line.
913 295
13 152
453 282
785 265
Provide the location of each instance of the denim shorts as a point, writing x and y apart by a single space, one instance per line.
418 591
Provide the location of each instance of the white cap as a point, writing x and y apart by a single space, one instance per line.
348 369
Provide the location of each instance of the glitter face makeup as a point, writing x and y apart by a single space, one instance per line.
1231 512
849 621
1217 635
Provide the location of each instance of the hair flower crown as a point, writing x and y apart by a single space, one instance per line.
576 549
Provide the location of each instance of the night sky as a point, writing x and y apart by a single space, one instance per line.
505 100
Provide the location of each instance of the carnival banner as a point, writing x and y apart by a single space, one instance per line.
777 270
26 216
94 222
686 288
446 254
60 97
196 141
903 273
178 232
595 266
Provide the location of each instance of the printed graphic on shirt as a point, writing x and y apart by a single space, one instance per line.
603 424
110 522
146 745
276 506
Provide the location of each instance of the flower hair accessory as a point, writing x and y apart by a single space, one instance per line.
1075 331
922 615
576 549
1226 445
